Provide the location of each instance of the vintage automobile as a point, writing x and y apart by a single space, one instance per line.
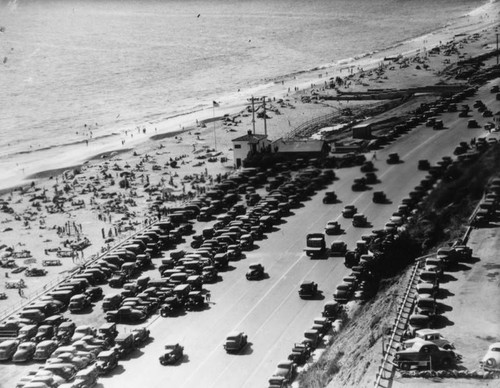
379 197
25 352
349 211
81 331
26 333
195 301
65 331
393 158
44 332
359 184
125 314
65 371
424 354
118 280
173 353
235 342
417 322
333 227
7 349
141 335
107 332
359 220
277 382
209 274
338 248
343 293
491 360
69 358
255 271
171 306
286 369
431 336
79 303
84 378
124 344
106 361
424 165
323 325
35 272
44 350
308 289
311 338
367 167
371 178
330 197
300 353
332 310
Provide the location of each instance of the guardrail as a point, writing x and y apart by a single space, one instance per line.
399 326
55 282
381 375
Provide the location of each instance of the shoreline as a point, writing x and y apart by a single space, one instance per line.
277 87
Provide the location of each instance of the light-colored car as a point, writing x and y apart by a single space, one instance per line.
429 335
7 349
491 359
286 369
24 352
45 349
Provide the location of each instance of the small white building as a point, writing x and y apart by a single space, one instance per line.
247 145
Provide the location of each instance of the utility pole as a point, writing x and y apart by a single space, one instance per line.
253 116
265 122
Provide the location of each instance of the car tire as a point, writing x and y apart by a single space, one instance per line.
491 363
163 362
404 366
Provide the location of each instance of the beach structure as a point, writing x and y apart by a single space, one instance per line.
248 145
362 131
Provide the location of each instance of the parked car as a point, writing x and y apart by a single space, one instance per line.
44 332
424 354
431 336
195 301
7 349
332 310
45 349
349 211
255 272
141 335
286 369
300 353
106 361
338 248
235 342
308 289
124 344
25 352
424 165
173 353
491 360
125 314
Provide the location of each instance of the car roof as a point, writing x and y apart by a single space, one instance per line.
234 334
427 331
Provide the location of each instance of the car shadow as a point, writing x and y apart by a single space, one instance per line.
117 371
459 268
470 260
441 322
183 360
443 308
229 268
136 353
446 278
444 293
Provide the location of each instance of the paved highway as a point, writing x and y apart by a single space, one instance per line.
270 311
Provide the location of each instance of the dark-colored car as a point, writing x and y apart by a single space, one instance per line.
308 289
424 353
255 272
107 360
393 158
235 342
173 353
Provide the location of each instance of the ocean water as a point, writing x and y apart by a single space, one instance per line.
78 70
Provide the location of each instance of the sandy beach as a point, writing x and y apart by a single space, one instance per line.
89 199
